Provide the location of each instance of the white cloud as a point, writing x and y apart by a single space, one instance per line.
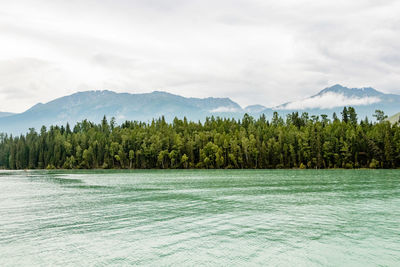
224 109
327 101
247 50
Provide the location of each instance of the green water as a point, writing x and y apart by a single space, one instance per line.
200 218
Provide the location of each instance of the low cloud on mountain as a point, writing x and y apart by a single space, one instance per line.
224 109
329 100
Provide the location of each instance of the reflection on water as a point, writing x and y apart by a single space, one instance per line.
259 217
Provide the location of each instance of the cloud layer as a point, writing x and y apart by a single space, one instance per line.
253 51
224 109
327 101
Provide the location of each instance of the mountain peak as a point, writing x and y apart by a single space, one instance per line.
158 92
360 92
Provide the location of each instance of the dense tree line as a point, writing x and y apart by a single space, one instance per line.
298 141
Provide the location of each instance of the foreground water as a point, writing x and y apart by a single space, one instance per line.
224 218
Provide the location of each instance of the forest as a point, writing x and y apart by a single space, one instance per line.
297 141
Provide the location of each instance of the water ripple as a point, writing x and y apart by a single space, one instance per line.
190 218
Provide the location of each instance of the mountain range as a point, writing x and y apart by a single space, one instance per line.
93 105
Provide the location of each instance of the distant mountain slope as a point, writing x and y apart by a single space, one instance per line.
395 118
5 114
93 105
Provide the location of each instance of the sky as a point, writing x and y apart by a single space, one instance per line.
252 51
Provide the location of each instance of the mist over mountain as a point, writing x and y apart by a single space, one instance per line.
254 108
93 105
333 99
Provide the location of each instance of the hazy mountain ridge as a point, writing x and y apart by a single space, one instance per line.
360 92
5 114
93 105
332 99
335 96
395 118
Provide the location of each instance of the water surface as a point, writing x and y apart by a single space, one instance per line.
208 218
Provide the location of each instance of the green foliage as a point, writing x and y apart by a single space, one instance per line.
380 115
300 141
374 164
349 165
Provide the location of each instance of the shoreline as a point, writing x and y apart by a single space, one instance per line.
194 169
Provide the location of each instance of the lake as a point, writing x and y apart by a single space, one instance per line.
200 217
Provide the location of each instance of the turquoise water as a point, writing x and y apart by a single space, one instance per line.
206 218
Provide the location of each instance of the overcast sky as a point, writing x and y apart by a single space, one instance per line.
253 51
